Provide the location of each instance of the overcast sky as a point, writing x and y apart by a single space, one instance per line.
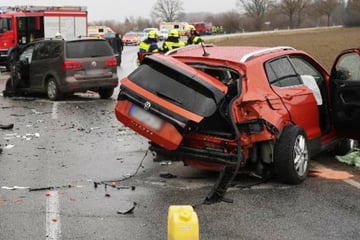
119 9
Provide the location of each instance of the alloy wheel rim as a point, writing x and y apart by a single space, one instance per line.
51 89
301 155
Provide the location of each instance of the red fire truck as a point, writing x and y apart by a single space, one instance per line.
203 28
23 24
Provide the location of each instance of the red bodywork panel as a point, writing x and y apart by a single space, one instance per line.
167 137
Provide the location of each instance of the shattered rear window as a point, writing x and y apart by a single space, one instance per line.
175 87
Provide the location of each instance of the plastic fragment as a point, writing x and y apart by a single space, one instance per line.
167 175
14 187
128 211
7 126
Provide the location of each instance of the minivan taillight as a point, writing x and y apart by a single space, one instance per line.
71 65
111 62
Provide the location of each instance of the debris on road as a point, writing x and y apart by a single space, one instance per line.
352 158
128 211
54 187
167 175
113 184
217 193
7 126
14 187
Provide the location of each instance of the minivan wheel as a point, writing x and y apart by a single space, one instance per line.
291 155
106 93
52 90
9 91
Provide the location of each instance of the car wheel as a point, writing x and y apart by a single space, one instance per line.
291 155
106 93
344 146
52 90
9 89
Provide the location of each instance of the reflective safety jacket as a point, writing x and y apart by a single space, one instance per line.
172 43
194 40
148 45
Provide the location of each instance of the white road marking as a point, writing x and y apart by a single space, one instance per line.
54 112
53 224
352 183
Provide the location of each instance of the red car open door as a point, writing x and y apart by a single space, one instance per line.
345 93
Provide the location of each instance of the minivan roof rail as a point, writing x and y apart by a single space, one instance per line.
251 55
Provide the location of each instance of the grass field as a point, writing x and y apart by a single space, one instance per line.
323 44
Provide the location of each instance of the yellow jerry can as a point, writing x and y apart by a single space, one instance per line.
183 223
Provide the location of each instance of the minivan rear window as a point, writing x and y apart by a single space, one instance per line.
88 49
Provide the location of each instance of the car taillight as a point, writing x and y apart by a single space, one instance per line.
71 65
111 62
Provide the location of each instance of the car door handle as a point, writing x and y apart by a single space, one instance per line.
288 96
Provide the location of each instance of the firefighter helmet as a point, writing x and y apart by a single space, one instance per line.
153 35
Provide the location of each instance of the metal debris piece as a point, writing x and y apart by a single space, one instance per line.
51 188
7 126
217 193
164 163
14 187
167 175
128 211
41 189
9 146
126 187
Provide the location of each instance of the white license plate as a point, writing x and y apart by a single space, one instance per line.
145 117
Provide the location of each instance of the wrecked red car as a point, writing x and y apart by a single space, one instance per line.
269 109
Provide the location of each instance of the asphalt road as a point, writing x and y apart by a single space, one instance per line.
70 170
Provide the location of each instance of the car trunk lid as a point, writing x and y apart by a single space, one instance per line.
173 92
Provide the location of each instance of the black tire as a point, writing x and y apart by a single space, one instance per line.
106 93
343 146
291 155
52 90
9 91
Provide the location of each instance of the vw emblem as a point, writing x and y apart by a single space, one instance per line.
93 64
147 105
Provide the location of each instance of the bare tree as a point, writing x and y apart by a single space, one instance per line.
230 21
352 17
168 10
302 6
255 9
291 8
326 7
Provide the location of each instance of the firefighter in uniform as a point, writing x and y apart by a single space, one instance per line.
148 46
173 41
194 37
